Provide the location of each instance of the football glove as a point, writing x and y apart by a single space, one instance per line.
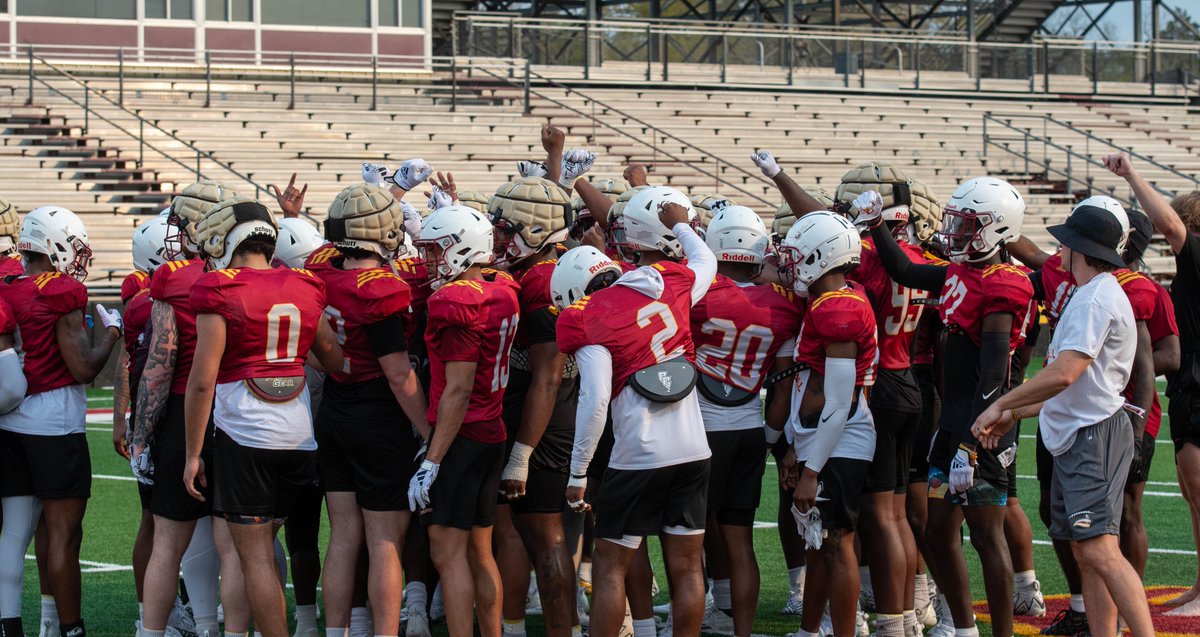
437 199
962 470
143 467
575 163
110 318
532 168
418 487
1008 456
375 174
766 163
412 173
808 526
870 208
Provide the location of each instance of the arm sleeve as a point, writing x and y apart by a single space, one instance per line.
12 381
595 391
839 396
701 260
901 268
387 336
993 371
1039 290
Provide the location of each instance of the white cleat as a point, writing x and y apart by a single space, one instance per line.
181 619
795 604
48 628
1028 601
582 607
945 623
716 621
668 629
861 626
927 616
418 625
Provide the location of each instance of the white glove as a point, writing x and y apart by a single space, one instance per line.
575 163
110 318
438 198
766 163
870 206
418 487
1008 456
581 505
532 168
412 220
143 467
375 174
412 173
518 463
808 526
962 470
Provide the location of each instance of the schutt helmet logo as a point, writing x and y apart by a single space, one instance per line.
665 379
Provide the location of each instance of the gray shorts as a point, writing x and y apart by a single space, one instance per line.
1089 480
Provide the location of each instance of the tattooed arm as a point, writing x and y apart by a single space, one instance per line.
155 385
121 404
84 357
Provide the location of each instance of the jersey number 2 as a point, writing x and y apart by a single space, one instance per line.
658 341
283 333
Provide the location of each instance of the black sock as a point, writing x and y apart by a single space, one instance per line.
183 591
73 630
11 627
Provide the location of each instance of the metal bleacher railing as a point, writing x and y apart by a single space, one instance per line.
776 55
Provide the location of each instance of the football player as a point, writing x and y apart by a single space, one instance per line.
365 455
529 218
473 316
632 343
45 468
149 243
830 422
741 332
10 226
253 386
183 532
12 377
985 303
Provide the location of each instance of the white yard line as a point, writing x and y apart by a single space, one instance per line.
89 566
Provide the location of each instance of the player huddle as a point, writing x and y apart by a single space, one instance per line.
525 386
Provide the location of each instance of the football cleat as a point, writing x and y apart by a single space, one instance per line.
417 625
1028 601
795 604
1067 623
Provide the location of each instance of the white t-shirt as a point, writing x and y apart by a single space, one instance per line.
720 418
57 412
857 441
1098 322
253 422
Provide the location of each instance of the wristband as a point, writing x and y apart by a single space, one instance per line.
773 435
1016 416
520 454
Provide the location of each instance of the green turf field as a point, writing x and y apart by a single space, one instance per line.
110 607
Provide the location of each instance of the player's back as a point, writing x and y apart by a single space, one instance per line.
172 284
133 283
738 329
898 309
37 303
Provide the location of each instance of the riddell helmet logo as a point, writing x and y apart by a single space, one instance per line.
598 267
730 256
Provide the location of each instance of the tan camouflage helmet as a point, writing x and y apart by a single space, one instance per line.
476 201
227 224
783 215
533 209
10 226
187 208
897 188
366 217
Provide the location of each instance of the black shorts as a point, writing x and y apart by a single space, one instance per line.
304 520
894 431
47 467
647 501
255 486
991 477
463 495
374 459
553 452
840 483
898 390
739 459
1140 477
1184 414
545 492
168 497
931 410
145 493
1045 463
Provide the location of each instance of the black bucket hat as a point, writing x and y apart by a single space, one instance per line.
1093 231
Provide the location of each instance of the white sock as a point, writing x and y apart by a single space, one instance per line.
243 634
416 596
1024 579
142 632
644 628
577 631
201 568
21 515
889 625
49 609
141 611
921 590
796 578
967 632
585 571
910 622
722 597
335 632
360 622
306 615
1077 604
805 633
513 628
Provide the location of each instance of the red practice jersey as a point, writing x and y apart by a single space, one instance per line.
134 282
356 299
136 318
7 322
1162 322
415 273
10 265
841 316
474 321
739 330
271 318
1143 297
970 294
637 331
1056 287
37 302
537 310
172 284
897 309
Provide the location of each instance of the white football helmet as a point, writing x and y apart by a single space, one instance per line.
59 234
453 239
1117 210
297 239
579 272
818 243
225 226
737 234
639 228
150 242
982 214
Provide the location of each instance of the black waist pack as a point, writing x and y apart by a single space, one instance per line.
666 382
721 393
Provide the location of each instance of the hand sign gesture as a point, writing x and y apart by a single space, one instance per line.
290 199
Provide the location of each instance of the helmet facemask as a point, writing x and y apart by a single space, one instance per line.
962 235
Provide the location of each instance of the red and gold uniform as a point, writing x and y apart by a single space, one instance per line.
37 303
1144 297
172 284
135 319
133 283
10 265
7 323
1056 286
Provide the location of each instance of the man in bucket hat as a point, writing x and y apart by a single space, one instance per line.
1078 400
